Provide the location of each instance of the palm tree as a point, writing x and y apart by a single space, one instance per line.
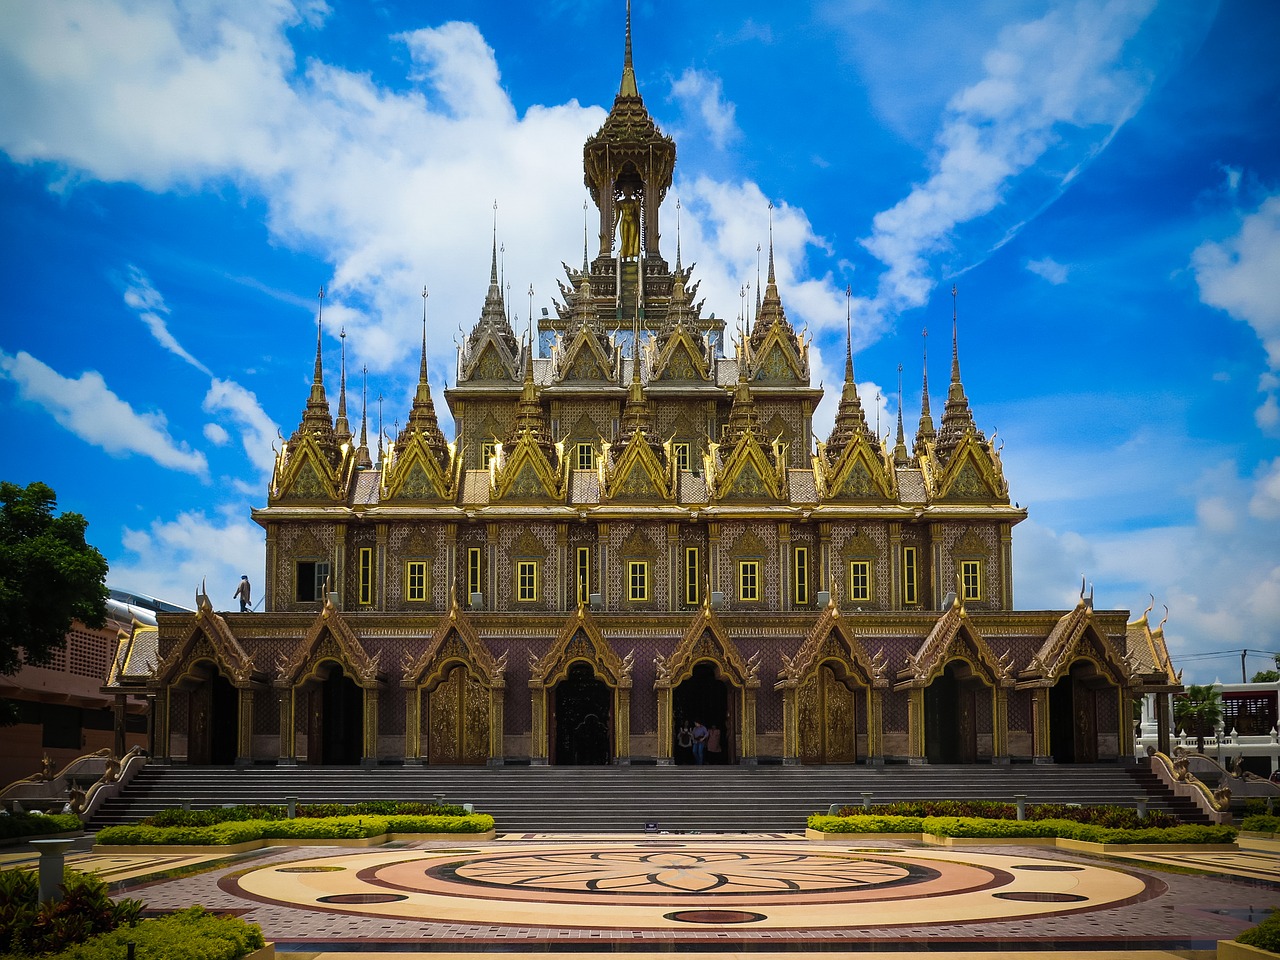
1198 712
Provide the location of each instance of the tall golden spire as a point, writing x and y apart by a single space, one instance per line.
628 86
850 418
316 419
362 452
422 414
925 432
957 418
342 429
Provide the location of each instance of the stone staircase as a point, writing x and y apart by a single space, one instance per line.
525 799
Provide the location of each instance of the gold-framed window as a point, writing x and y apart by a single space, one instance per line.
488 450
637 580
680 453
800 571
584 456
526 581
584 574
749 580
859 580
364 566
971 579
910 589
692 569
415 581
473 571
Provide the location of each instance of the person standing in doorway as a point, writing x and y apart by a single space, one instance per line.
713 745
242 594
700 734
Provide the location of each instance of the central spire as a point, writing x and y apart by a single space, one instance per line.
628 86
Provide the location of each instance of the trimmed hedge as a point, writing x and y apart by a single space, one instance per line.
177 817
322 828
1265 936
981 828
1102 815
192 934
1261 823
34 824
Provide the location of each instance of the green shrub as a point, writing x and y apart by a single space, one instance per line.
304 811
1265 936
302 828
344 828
190 934
35 824
981 828
1103 815
29 927
466 823
1261 823
220 834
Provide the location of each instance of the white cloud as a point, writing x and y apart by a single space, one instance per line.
1239 274
701 94
141 296
216 434
1064 71
1265 502
257 430
88 408
1049 269
172 558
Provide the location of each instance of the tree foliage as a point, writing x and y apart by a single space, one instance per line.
49 576
1198 712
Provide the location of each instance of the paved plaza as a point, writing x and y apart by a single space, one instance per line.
763 893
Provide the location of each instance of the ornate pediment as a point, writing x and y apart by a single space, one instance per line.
528 545
1074 637
749 474
491 361
748 546
972 475
858 546
580 639
637 475
638 545
831 638
413 473
209 638
303 473
329 637
454 640
584 360
706 639
776 361
954 637
971 544
680 360
859 475
526 476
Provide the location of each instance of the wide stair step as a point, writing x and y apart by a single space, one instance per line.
524 799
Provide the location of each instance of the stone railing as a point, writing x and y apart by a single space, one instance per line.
79 787
1176 773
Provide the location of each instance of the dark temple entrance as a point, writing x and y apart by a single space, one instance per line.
336 720
704 696
213 729
582 720
1073 716
950 717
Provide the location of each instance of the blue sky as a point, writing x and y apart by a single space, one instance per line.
1100 181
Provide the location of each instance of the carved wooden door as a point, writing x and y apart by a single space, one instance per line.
1084 701
199 734
458 720
827 719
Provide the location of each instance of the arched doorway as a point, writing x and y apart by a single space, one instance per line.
582 719
1073 714
456 720
704 697
335 719
213 725
951 705
827 704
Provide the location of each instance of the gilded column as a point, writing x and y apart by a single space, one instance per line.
787 600
1043 750
369 753
1162 723
497 747
622 726
824 551
119 710
713 556
675 568
273 545
1126 739
413 724
915 726
875 726
339 584
380 566
664 726
244 749
538 736
1006 566
491 563
1000 724
895 566
790 726
288 737
563 565
748 734
161 724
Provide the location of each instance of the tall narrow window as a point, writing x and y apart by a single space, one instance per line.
971 579
366 576
488 450
584 574
473 571
909 594
415 581
801 572
749 580
585 457
527 581
680 452
638 578
859 579
691 570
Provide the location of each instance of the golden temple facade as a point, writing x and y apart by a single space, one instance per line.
633 534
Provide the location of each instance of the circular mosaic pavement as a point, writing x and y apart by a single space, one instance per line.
638 885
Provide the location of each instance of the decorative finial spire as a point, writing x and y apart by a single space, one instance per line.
925 432
423 375
318 376
848 333
493 264
772 279
586 229
422 414
316 419
628 87
342 429
957 419
758 287
677 235
380 431
900 455
362 451
955 348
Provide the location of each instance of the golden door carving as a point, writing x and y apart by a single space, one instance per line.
827 719
458 720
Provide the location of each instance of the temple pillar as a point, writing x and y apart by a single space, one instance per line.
119 710
162 749
664 727
1162 723
412 724
791 726
369 752
288 755
915 726
1127 740
875 727
1042 748
747 735
1000 724
244 746
497 747
538 735
622 726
